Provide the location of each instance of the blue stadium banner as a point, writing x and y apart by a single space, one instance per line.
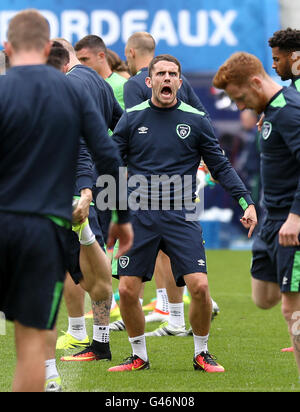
200 33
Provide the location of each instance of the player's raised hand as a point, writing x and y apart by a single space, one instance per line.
249 220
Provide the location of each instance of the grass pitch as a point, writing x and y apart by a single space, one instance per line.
245 340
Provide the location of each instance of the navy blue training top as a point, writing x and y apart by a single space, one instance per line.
136 91
157 141
296 83
280 154
42 116
102 94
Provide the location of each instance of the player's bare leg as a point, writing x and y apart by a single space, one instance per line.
200 320
291 312
200 306
265 294
30 349
134 319
96 270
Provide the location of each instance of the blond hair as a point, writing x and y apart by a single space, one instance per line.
28 30
66 44
143 42
238 69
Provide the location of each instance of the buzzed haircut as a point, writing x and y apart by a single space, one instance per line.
238 69
91 41
164 57
288 39
143 42
28 30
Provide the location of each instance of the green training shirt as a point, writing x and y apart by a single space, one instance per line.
117 83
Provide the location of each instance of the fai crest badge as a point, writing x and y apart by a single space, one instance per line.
123 261
183 130
266 130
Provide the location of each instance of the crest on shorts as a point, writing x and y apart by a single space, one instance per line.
183 130
266 130
123 261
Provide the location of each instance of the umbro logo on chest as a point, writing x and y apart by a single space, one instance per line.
143 130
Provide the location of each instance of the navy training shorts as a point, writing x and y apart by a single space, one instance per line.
169 231
33 262
275 263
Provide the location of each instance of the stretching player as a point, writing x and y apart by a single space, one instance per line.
88 262
37 183
111 111
275 264
139 51
175 137
92 52
284 44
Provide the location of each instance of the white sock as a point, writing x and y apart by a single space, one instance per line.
200 343
77 328
113 302
176 314
138 344
101 333
162 302
51 370
86 236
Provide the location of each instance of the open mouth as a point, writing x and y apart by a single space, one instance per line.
166 91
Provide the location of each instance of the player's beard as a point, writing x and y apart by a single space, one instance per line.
286 73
